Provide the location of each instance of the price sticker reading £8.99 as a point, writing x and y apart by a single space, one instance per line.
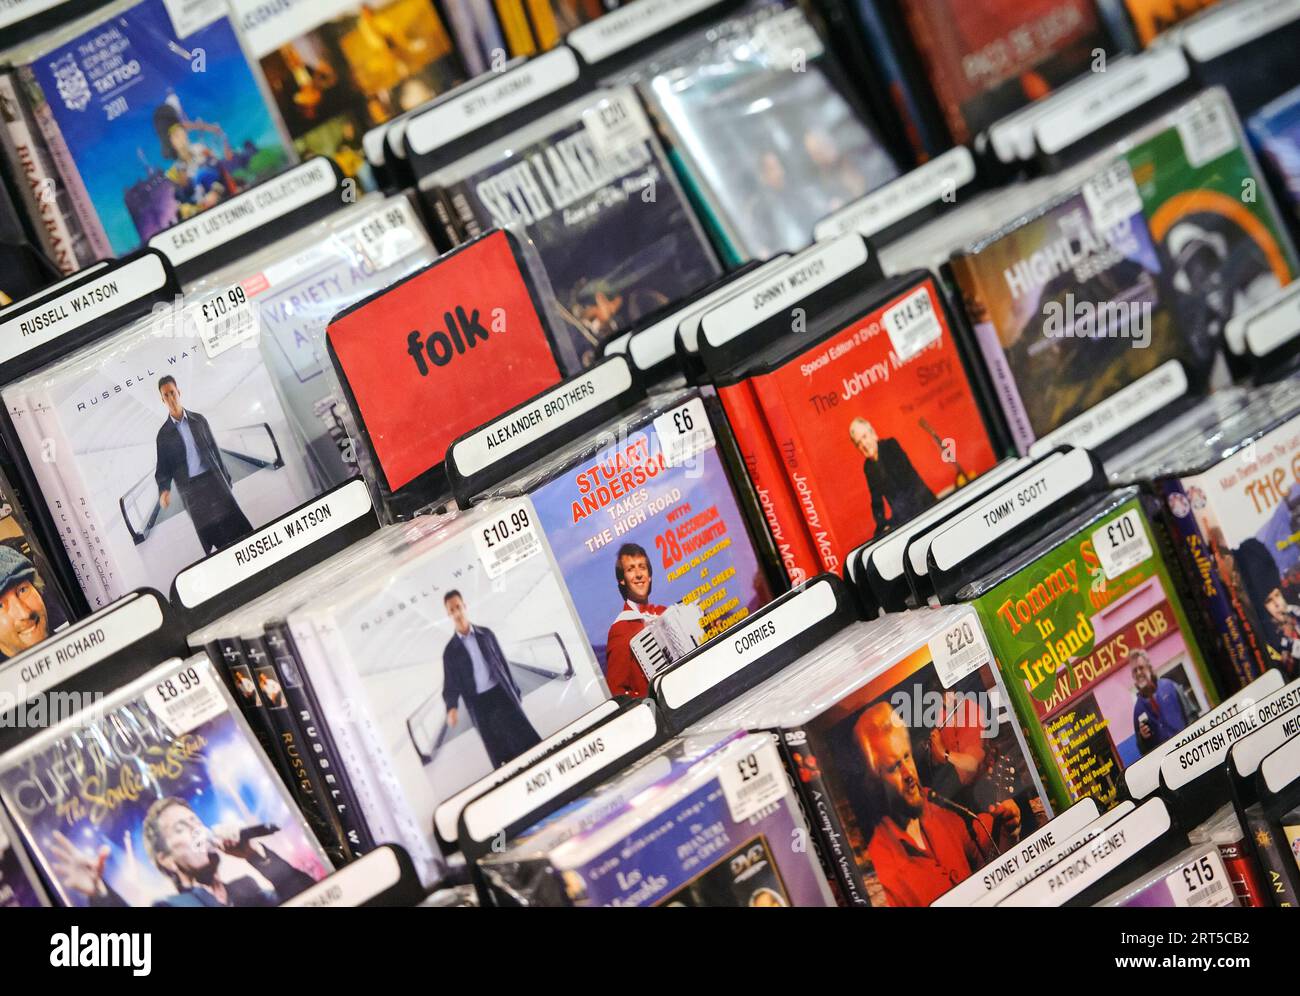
186 698
1121 544
508 539
752 781
684 432
1202 882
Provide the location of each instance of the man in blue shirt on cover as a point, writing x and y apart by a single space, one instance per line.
1161 708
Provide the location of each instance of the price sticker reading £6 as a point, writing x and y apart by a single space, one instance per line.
186 699
507 540
684 432
1121 544
912 324
615 125
752 782
959 650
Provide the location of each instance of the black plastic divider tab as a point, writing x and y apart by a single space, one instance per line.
772 638
384 877
280 550
500 449
93 657
254 218
566 773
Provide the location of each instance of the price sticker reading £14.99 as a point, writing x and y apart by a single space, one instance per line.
508 539
186 699
912 324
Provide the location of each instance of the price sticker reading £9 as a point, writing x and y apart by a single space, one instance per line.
507 539
912 324
225 320
959 650
684 432
615 125
1202 882
1121 544
752 781
186 698
1112 196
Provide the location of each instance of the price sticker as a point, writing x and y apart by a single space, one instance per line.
186 699
1202 882
386 236
508 539
1207 134
684 432
1112 196
225 320
912 324
616 124
959 650
788 39
1121 544
752 782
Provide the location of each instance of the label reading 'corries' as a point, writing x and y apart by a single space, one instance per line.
74 650
509 434
245 212
1016 860
81 305
741 646
805 274
451 119
270 545
587 755
619 29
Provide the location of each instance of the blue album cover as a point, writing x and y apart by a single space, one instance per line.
1275 130
161 125
159 797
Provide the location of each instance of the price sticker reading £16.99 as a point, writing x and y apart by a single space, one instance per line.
186 699
1121 544
508 539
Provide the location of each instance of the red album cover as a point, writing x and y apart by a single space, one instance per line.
986 58
780 508
441 353
876 422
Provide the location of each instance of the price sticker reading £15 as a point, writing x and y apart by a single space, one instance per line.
1121 544
912 324
959 650
186 698
615 125
684 432
508 539
1202 882
752 781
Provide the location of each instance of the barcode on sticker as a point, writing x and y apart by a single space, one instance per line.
788 38
1121 544
1206 134
752 782
185 699
912 324
1112 196
386 236
1203 882
225 320
507 540
615 125
684 432
959 650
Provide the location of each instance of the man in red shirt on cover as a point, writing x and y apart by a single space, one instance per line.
919 849
634 576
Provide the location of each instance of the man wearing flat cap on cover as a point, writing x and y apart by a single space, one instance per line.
24 617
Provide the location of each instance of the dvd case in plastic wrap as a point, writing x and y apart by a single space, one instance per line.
1244 46
443 661
1196 878
1279 789
439 353
295 287
1143 253
1095 646
159 796
19 883
338 68
32 604
703 821
150 118
808 151
1275 130
168 439
591 186
650 536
